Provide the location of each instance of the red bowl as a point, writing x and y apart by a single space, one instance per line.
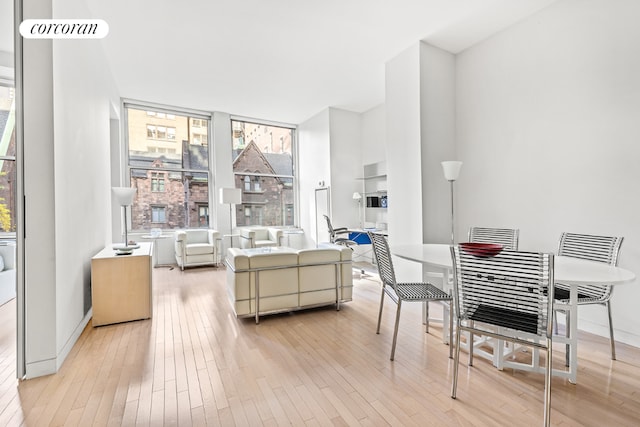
483 250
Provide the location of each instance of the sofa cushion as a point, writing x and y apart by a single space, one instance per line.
261 234
264 243
271 259
198 249
314 256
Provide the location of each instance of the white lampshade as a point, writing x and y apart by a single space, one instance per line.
123 195
230 196
451 169
357 196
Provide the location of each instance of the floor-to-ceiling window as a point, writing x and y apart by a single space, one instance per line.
7 162
263 168
168 164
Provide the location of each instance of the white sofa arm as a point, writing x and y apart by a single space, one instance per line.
180 242
276 235
214 236
215 240
247 238
237 260
181 236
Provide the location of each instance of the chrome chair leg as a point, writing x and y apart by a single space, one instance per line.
547 385
470 345
426 312
613 342
395 330
380 312
456 363
450 330
567 325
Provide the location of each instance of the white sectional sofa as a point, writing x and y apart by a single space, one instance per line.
271 280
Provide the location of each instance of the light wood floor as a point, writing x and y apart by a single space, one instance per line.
194 363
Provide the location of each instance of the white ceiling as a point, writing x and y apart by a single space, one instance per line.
280 60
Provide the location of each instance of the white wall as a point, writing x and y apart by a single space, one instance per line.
437 135
314 166
547 128
420 133
329 148
82 143
374 135
346 166
68 98
404 151
39 221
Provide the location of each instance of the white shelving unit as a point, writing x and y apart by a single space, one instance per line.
374 196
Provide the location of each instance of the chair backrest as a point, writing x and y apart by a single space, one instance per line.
329 226
332 231
383 259
197 235
261 233
603 249
590 247
508 237
510 290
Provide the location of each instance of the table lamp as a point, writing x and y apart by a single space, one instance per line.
451 169
124 197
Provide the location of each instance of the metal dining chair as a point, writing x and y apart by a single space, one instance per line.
603 249
506 296
403 292
507 237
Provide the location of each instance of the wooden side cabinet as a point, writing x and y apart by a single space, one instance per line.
121 285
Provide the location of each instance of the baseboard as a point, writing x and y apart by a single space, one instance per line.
603 331
66 349
40 368
51 366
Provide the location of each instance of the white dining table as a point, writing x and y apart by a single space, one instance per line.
567 270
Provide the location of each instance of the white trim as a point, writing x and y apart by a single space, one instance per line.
191 113
40 368
262 122
73 339
51 366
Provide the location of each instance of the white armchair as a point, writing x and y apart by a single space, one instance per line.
197 247
260 237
